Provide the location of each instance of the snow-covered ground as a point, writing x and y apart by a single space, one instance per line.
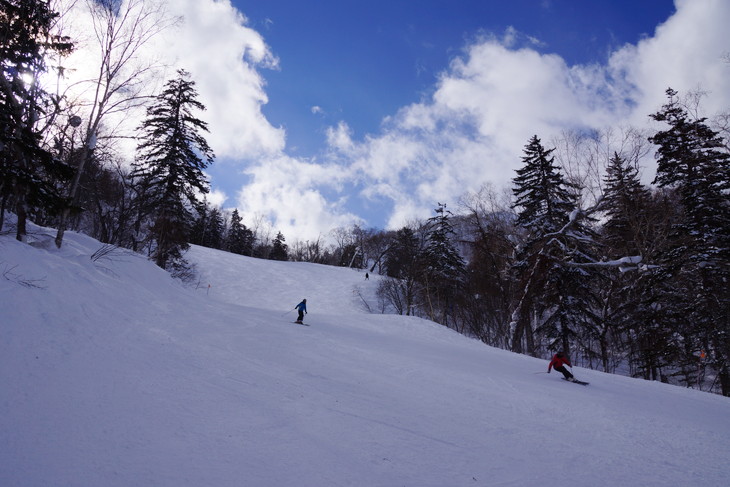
113 374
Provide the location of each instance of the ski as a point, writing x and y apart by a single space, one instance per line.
299 323
576 381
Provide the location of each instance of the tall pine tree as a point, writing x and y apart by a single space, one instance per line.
627 232
209 228
279 249
240 239
443 266
551 289
541 192
625 201
692 159
170 163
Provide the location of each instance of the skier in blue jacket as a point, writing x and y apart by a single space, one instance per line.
302 308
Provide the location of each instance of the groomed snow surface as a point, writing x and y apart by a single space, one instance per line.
114 374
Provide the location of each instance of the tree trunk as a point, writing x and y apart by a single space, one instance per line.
21 210
725 381
3 205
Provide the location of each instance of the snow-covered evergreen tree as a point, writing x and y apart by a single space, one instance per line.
441 257
215 231
279 249
692 159
626 232
170 163
442 267
625 202
541 192
239 239
557 293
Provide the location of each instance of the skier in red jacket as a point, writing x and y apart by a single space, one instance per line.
559 362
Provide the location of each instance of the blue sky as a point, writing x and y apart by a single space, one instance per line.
332 113
362 61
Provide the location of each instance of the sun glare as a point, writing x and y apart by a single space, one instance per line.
27 78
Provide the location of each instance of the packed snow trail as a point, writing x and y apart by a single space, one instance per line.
113 374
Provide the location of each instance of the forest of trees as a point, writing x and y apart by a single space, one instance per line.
579 255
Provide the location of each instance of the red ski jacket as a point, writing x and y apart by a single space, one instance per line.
557 361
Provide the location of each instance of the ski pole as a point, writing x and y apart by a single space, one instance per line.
288 312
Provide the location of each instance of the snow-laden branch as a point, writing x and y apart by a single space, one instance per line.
624 264
554 239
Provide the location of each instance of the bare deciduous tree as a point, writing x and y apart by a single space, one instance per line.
584 156
121 29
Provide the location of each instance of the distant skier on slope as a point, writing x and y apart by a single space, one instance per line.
559 362
302 308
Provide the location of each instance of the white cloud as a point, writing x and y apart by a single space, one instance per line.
471 131
340 137
686 52
216 198
493 98
289 192
213 43
224 57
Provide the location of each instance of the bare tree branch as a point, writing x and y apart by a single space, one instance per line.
121 31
